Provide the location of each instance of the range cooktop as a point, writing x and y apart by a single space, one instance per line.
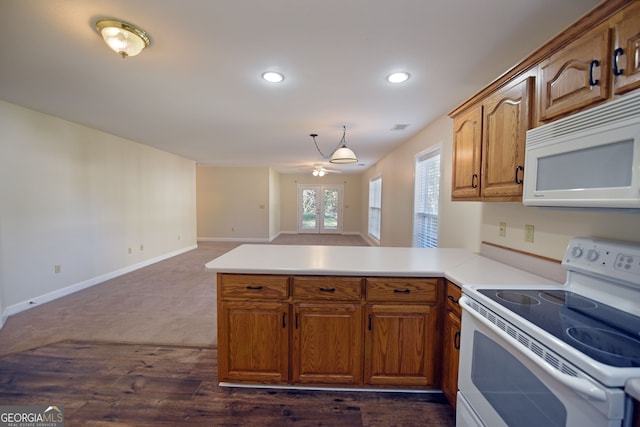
602 332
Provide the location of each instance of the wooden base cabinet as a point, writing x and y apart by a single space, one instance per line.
327 344
401 345
329 330
451 347
255 344
401 334
253 328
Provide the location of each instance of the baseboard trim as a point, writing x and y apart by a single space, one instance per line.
68 290
235 239
331 388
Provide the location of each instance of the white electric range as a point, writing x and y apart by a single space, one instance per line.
554 355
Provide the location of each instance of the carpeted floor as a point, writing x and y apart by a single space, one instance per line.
171 302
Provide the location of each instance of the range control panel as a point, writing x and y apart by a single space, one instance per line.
609 258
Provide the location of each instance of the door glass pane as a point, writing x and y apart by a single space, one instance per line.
309 209
330 217
515 393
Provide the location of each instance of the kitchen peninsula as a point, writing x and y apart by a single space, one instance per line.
341 316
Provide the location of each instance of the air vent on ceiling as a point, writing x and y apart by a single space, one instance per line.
400 127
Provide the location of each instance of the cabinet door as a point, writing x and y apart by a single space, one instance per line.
327 344
253 341
576 76
401 346
627 51
467 142
450 357
507 117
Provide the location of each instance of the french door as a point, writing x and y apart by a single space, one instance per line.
320 208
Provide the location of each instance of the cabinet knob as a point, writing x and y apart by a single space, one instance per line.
474 180
452 299
330 290
456 340
518 179
401 291
254 288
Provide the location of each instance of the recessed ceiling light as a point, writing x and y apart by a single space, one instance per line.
272 77
398 77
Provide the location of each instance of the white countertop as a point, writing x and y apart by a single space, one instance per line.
457 265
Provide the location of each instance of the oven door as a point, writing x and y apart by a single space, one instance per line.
504 383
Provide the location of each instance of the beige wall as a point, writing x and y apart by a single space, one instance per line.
80 198
351 199
233 203
459 221
274 204
553 228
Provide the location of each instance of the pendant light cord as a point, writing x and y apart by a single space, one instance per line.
342 143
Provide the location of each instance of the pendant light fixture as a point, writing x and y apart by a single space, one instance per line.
123 38
342 154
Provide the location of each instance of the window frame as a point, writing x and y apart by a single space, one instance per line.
375 184
420 198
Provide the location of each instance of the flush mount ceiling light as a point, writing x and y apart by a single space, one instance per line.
398 77
272 77
342 154
123 38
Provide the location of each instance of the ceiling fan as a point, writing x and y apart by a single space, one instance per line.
319 170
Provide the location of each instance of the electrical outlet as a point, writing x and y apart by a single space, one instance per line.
129 250
142 247
503 229
528 233
57 268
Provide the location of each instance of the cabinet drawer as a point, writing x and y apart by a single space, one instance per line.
453 295
407 290
245 286
327 288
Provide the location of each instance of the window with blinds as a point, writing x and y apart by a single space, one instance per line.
375 207
427 192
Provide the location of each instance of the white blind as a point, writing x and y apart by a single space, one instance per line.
427 193
375 207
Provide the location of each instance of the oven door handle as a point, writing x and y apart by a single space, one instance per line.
579 385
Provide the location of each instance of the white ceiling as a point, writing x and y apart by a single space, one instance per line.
197 92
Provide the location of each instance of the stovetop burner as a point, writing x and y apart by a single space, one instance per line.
602 332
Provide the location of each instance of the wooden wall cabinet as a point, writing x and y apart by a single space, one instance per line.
626 51
467 148
489 144
577 76
401 336
451 346
600 64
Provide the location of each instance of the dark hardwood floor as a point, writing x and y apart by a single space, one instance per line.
145 385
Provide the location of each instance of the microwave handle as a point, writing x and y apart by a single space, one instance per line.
579 385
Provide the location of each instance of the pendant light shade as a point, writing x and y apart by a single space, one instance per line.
343 155
123 38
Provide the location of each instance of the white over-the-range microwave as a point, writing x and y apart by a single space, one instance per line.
590 159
